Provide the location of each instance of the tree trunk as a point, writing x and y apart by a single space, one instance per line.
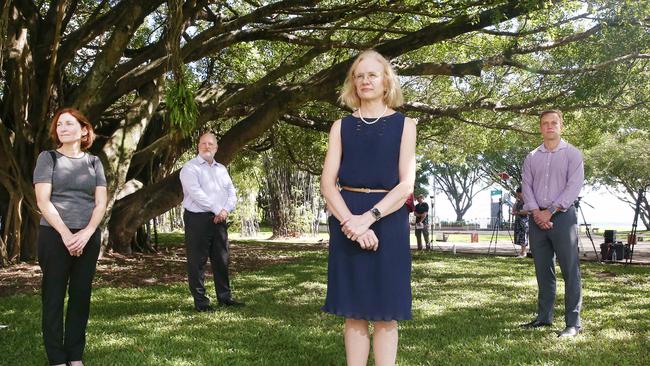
20 221
29 91
292 196
130 212
644 213
120 148
278 188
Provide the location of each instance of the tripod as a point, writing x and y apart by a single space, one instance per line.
632 238
494 238
579 213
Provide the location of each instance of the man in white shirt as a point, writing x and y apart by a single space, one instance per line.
208 197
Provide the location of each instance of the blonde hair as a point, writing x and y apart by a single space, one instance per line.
392 90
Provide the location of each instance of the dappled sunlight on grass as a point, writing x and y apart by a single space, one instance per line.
466 311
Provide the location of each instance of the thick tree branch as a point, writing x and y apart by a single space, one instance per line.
101 24
544 28
559 42
311 122
473 68
86 93
46 52
30 13
438 32
578 70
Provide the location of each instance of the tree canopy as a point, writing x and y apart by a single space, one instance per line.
252 66
621 164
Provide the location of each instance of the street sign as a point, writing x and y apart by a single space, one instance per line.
495 192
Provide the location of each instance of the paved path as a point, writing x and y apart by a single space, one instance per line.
505 248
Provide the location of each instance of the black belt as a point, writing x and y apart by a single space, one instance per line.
199 213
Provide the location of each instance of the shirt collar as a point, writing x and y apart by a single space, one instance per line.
563 144
202 161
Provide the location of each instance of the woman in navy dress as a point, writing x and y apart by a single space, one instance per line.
369 172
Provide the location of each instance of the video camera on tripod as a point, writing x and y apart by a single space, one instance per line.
577 202
579 213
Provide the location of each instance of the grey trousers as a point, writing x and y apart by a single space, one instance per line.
560 241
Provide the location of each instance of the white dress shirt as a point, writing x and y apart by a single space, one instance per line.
207 187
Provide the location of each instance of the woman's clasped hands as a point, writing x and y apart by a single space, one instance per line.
76 242
357 228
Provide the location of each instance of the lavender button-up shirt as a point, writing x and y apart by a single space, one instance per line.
207 187
552 178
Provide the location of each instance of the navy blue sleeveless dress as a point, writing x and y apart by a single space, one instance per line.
363 284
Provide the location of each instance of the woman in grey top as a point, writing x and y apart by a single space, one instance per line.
71 195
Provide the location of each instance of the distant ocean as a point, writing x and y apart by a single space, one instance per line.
620 225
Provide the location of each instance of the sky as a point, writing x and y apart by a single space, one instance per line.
608 212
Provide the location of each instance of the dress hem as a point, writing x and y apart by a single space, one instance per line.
357 316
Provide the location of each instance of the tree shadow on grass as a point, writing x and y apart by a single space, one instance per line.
466 312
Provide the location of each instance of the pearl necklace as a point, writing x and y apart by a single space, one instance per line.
372 122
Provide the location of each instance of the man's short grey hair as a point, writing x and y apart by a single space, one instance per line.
214 137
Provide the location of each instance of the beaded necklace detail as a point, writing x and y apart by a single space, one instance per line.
375 121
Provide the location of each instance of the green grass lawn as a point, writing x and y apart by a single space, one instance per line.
265 233
466 312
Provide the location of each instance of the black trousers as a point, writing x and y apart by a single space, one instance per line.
204 239
62 272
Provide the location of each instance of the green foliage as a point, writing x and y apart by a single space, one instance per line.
507 154
422 175
182 110
246 172
303 148
622 161
282 323
255 67
290 196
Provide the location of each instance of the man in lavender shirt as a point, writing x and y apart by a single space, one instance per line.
208 197
553 175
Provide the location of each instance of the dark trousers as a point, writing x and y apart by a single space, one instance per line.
561 241
62 271
204 239
418 237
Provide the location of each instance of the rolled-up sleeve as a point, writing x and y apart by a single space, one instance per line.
575 180
530 203
231 202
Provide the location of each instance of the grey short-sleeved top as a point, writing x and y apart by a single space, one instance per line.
73 185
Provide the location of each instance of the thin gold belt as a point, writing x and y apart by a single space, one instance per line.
364 190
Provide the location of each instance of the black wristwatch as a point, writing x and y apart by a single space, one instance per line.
376 213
